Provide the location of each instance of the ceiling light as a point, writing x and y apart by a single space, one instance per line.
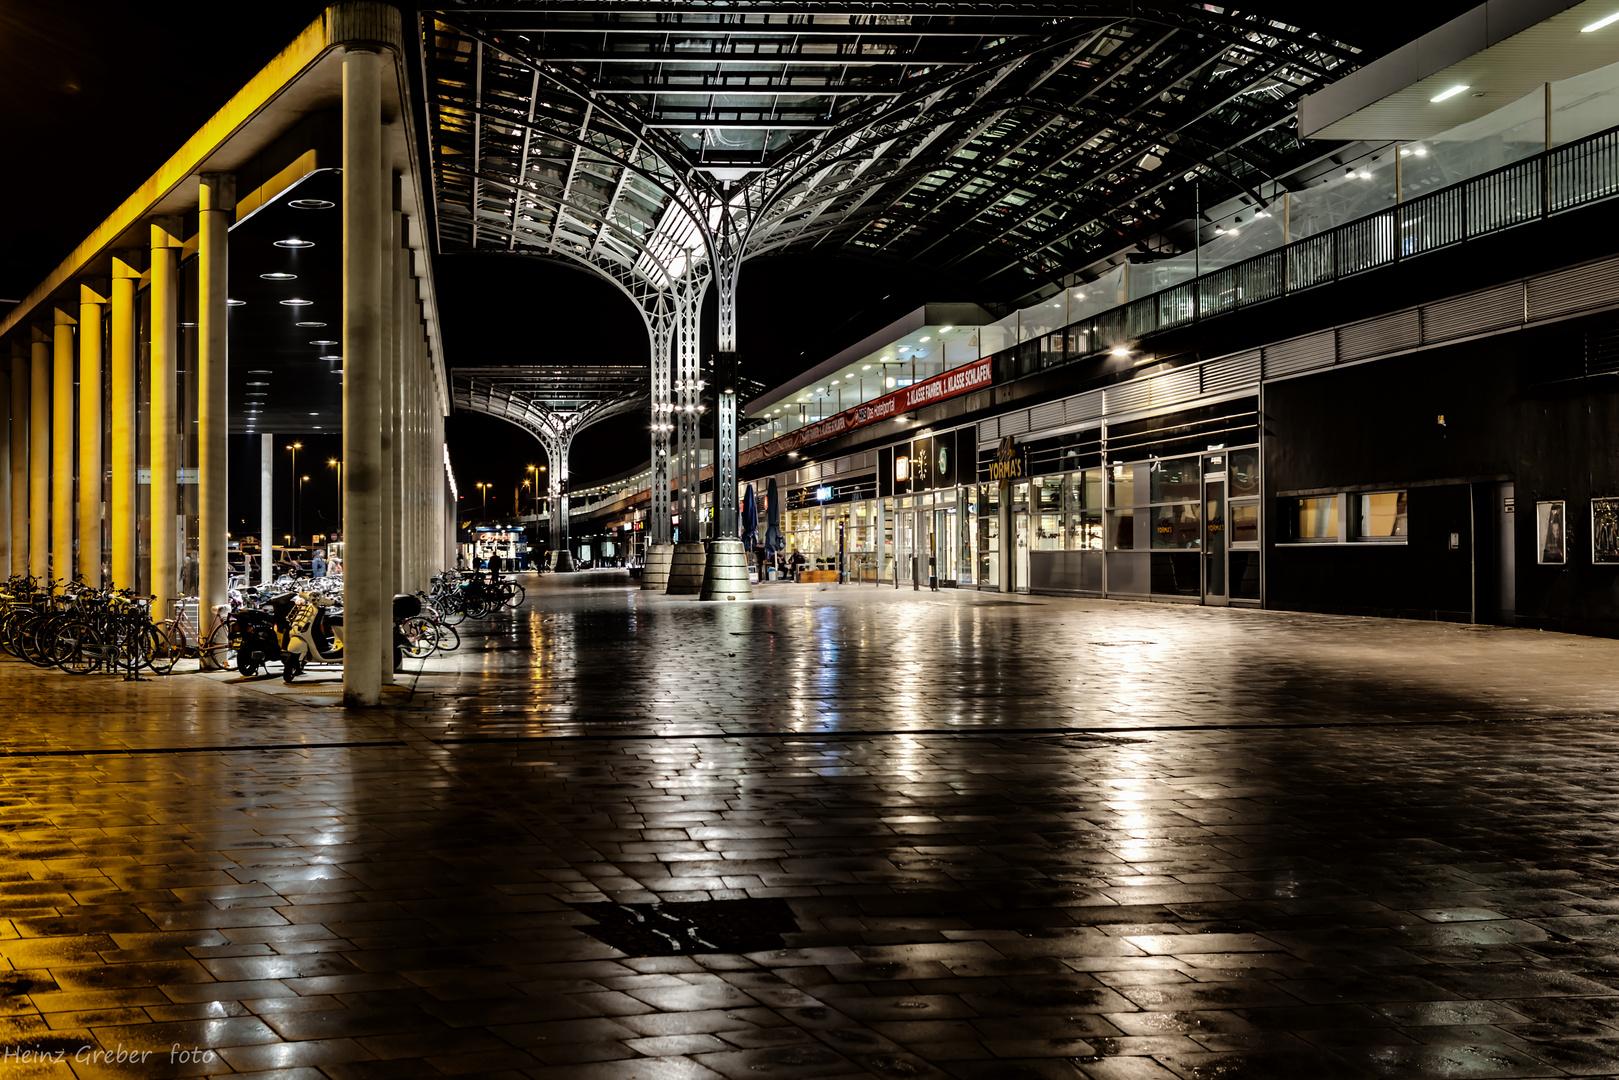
311 204
1364 175
834 382
257 393
337 371
946 329
234 303
258 384
927 339
904 348
323 341
1349 171
260 371
890 382
294 242
866 368
310 325
314 414
297 303
278 276
1446 94
1121 351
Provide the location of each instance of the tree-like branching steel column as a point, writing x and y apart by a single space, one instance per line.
687 291
660 328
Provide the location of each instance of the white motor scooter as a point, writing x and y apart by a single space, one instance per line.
314 635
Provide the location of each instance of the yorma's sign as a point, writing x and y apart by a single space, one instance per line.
939 388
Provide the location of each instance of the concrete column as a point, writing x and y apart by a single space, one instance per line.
121 372
5 467
62 370
91 306
363 214
216 208
165 450
39 457
266 507
19 458
388 447
394 416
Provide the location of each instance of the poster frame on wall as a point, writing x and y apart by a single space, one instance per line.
1551 546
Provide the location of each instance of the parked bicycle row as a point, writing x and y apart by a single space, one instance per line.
296 622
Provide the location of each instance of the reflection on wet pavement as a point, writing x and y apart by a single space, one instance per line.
1002 838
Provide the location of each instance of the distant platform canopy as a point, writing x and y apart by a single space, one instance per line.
999 146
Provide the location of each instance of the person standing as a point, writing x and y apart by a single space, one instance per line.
317 565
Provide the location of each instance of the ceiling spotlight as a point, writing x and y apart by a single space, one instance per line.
294 242
323 341
278 276
297 303
331 357
235 303
260 371
1364 174
311 204
1349 171
309 325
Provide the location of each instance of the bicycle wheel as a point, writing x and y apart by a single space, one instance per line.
478 609
77 647
514 597
420 637
168 644
449 638
216 651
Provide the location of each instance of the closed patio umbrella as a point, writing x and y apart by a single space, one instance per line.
750 520
774 541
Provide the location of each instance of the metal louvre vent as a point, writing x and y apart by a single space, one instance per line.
1475 313
1386 334
1045 416
1592 286
1174 386
1087 406
1300 354
1231 373
1015 423
1128 397
989 433
843 465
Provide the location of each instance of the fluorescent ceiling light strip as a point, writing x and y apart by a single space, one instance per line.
1600 23
1452 92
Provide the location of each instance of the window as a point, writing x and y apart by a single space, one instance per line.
1381 517
1244 523
1316 519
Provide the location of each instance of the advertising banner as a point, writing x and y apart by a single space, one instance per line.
949 384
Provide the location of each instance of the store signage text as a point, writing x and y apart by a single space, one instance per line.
950 384
1008 463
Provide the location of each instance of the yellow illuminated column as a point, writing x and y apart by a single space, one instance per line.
165 337
62 562
90 471
121 373
364 221
19 458
39 456
216 207
5 468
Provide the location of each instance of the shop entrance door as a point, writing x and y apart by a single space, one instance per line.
1020 553
944 545
905 546
1215 592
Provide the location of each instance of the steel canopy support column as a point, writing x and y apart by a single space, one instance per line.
91 305
266 507
165 455
364 211
725 575
688 294
661 329
215 210
39 457
121 373
19 458
62 371
556 448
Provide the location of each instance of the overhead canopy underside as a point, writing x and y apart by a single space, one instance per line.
999 146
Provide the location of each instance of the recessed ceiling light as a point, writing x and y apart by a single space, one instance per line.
323 341
834 382
257 393
946 329
337 371
297 303
331 358
311 204
260 371
278 276
235 303
866 368
927 339
294 242
258 384
314 414
188 325
309 324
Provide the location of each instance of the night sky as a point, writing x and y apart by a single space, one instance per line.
97 95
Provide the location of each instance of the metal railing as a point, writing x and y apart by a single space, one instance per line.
1538 187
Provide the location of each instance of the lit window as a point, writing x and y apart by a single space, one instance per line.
1317 519
1382 516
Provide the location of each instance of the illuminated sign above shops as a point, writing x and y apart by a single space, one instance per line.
950 384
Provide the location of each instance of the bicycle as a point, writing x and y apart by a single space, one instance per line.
178 638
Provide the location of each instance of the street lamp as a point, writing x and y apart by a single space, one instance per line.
295 447
483 488
517 506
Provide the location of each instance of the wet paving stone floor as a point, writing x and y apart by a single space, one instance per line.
832 832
